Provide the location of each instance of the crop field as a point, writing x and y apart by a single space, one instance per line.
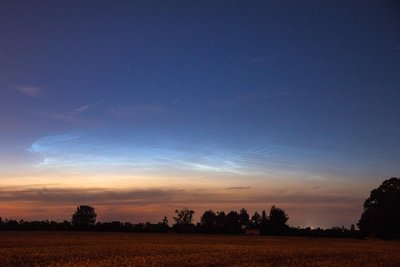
131 249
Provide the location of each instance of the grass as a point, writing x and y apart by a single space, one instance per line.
130 249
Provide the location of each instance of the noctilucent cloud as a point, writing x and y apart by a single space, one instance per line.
142 107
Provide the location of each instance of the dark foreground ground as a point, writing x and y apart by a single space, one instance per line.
129 249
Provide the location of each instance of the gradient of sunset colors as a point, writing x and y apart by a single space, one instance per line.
142 107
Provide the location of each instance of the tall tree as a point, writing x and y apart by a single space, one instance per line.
263 223
232 223
277 221
184 216
381 215
183 220
244 217
208 221
220 223
84 217
256 219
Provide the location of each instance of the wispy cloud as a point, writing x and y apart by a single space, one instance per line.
90 195
265 58
81 109
149 196
84 108
71 116
154 154
139 152
64 117
32 91
238 188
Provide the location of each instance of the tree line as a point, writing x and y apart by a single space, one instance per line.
380 218
233 222
220 222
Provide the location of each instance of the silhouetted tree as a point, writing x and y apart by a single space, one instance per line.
165 220
381 215
162 226
277 221
244 217
184 216
263 223
232 223
256 219
84 217
220 221
183 220
208 221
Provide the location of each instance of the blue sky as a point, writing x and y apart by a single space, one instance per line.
238 100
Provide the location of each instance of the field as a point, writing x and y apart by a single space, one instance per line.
129 249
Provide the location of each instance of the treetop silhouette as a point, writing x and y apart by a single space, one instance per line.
381 215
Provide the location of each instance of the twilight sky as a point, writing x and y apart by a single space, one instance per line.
142 107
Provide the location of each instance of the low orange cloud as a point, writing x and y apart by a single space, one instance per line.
140 205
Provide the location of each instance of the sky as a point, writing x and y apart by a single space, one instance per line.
139 108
